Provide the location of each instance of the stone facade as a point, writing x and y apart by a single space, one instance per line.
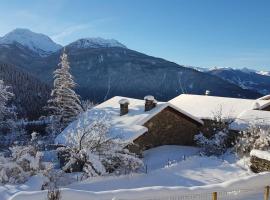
259 165
169 127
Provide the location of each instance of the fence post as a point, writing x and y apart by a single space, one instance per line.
214 196
266 193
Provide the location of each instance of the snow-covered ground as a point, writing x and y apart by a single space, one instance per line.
171 166
167 166
33 184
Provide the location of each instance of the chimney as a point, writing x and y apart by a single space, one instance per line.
207 92
150 103
256 106
123 106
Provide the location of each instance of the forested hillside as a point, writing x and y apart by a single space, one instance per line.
30 93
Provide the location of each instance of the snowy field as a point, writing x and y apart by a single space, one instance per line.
172 168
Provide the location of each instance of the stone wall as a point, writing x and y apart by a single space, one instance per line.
169 127
259 165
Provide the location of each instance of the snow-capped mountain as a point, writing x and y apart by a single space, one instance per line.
264 73
245 78
245 70
106 68
96 43
37 42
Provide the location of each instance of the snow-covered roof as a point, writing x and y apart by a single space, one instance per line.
149 98
249 118
206 107
260 154
126 127
123 101
266 97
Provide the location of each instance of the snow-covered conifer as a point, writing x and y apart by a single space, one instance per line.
7 111
64 104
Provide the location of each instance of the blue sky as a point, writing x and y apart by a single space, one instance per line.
203 33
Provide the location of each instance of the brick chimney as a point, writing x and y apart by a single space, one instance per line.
150 103
123 106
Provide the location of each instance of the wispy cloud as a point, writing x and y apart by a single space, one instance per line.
70 30
25 15
79 28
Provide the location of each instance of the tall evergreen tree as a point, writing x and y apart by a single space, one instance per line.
64 104
7 112
5 96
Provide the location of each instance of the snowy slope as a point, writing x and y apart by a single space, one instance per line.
244 188
171 166
36 42
186 175
96 43
33 184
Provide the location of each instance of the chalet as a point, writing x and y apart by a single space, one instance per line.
144 123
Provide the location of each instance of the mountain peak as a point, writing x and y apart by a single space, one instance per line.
37 42
96 43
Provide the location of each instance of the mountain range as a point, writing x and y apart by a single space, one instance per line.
104 68
245 78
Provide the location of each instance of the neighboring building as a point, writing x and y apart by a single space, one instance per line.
144 123
258 118
207 108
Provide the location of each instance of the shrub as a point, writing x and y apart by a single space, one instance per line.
217 142
252 138
95 153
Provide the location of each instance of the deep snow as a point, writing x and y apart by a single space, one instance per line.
171 166
168 166
33 184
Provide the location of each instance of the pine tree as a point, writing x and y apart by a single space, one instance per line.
64 104
7 113
5 96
